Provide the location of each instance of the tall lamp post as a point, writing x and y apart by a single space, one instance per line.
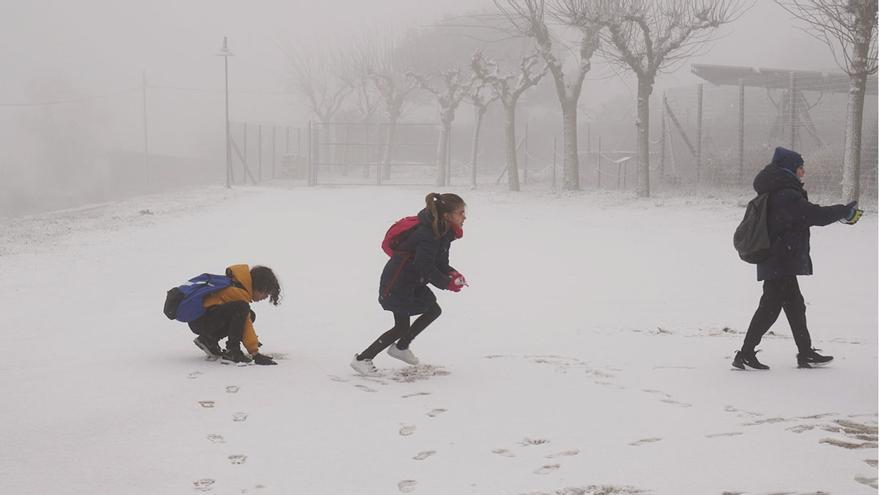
225 53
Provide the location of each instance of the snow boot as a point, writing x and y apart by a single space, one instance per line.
364 367
210 347
743 359
234 356
404 355
812 358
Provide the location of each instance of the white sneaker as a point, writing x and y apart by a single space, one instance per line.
404 355
364 367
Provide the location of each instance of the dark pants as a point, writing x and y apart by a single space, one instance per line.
779 294
223 321
402 332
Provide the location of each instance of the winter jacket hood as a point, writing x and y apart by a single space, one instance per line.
787 159
773 178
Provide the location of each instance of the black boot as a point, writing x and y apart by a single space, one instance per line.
743 359
209 346
234 356
812 358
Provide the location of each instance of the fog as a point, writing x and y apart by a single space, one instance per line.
73 102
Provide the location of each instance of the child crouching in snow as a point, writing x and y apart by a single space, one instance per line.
421 256
228 315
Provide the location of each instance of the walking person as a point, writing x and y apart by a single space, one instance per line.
420 256
789 218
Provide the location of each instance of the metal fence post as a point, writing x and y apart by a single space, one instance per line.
699 130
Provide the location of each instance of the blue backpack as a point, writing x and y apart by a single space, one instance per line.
184 303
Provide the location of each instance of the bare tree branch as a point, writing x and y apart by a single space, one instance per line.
848 27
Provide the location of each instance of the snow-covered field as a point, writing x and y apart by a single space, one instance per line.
591 353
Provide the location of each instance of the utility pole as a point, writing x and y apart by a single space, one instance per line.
225 53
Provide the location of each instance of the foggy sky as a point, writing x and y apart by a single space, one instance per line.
103 45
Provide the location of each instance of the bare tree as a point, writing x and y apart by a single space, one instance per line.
366 100
452 88
528 17
849 28
481 94
509 88
319 77
387 71
651 36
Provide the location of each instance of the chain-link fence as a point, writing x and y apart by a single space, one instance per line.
723 135
355 153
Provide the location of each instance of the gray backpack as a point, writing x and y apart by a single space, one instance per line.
752 239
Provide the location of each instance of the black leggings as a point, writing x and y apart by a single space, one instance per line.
223 321
402 332
781 294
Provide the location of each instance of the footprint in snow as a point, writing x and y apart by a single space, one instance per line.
406 486
406 430
547 469
364 388
240 417
436 412
237 459
728 434
207 404
338 379
867 480
232 389
645 440
504 452
415 394
215 438
564 453
421 456
677 403
194 375
534 441
203 485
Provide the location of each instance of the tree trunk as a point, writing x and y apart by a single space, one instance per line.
475 145
390 133
510 138
642 125
852 157
443 152
571 170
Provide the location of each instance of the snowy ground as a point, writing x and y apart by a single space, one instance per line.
589 355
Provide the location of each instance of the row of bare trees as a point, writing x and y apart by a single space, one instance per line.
643 37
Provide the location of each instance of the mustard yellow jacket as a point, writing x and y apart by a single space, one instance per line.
241 273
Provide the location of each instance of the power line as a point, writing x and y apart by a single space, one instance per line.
71 100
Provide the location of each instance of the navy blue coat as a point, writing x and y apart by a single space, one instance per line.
419 260
789 218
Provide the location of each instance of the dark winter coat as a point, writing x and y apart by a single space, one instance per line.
789 218
419 260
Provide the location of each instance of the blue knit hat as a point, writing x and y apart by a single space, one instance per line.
787 159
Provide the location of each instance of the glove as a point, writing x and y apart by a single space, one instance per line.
263 359
456 281
853 213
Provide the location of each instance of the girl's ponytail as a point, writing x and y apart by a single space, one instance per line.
439 204
431 201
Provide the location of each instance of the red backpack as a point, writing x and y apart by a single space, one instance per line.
401 229
397 233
